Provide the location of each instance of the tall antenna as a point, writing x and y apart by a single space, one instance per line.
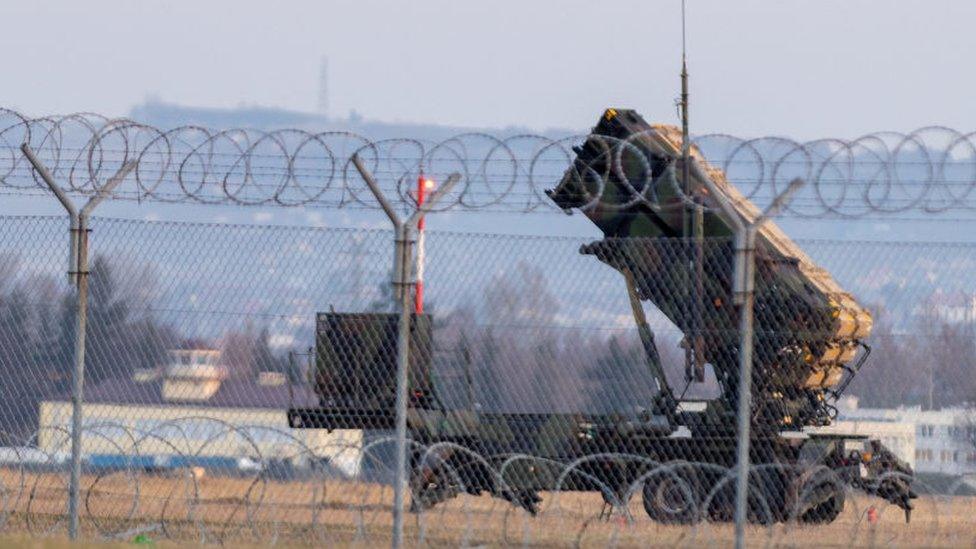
693 217
684 99
324 86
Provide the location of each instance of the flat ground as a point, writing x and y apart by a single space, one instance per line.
257 512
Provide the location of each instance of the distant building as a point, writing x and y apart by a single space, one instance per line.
951 307
897 436
190 413
945 440
192 375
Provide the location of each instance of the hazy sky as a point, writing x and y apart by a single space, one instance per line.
806 69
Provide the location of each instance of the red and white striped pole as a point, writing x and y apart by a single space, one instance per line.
423 185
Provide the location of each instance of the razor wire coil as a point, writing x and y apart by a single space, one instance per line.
929 170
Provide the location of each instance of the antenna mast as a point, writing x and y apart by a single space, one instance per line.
684 102
324 86
694 224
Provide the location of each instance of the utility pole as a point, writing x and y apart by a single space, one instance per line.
324 86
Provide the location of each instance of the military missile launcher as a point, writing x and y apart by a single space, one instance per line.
673 244
626 180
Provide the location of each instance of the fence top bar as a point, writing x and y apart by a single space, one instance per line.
107 188
425 208
49 180
375 189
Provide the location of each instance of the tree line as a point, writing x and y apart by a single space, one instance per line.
511 355
37 340
505 350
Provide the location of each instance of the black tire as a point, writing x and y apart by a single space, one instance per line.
721 508
827 511
767 495
772 483
673 496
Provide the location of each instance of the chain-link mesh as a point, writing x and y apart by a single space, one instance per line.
562 390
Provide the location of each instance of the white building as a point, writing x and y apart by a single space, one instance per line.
945 440
897 436
189 413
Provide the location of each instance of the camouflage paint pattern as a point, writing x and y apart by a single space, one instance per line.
356 360
807 328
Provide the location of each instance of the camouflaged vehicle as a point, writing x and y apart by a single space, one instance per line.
626 178
356 362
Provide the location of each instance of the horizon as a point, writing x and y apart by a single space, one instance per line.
756 69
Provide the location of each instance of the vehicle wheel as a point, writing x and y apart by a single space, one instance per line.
826 512
767 491
673 496
771 483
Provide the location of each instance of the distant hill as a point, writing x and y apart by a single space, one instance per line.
913 226
170 115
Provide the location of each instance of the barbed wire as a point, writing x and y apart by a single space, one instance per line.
316 498
931 170
527 328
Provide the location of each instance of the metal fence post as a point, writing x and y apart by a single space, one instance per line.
78 274
743 292
402 270
744 296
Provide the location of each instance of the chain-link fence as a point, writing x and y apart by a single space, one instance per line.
562 390
685 374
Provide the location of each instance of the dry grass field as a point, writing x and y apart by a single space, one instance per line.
184 510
